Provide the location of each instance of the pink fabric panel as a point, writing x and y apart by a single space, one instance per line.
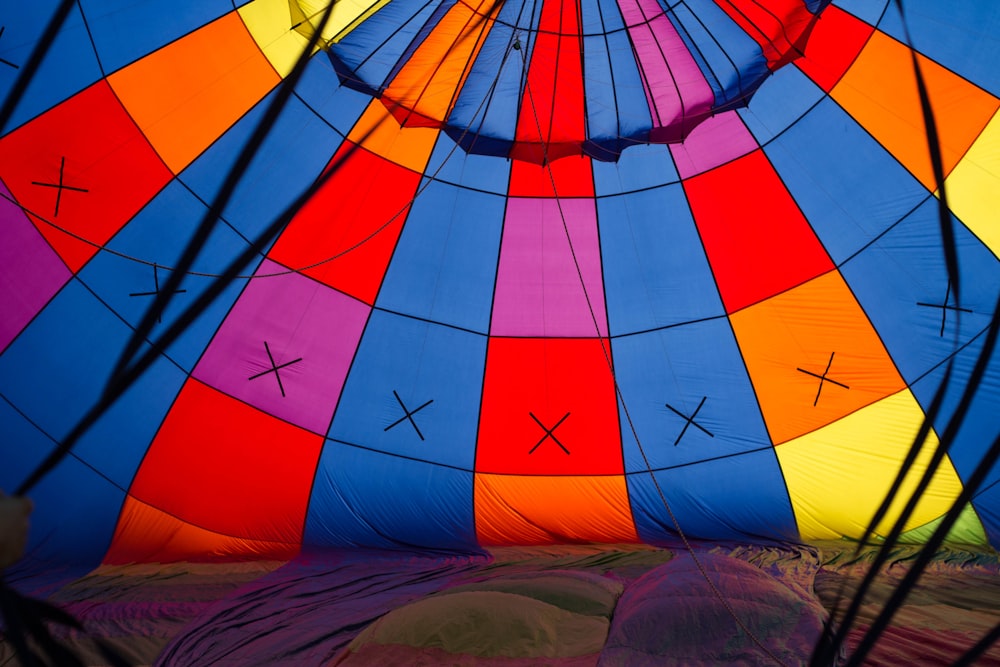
30 271
716 141
311 332
538 290
677 92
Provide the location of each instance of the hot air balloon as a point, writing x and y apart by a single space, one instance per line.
439 277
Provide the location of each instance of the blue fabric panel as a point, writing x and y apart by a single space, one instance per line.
444 266
740 498
980 428
686 396
616 104
869 11
125 30
655 270
779 103
848 186
296 150
489 100
941 31
429 365
123 277
406 505
320 90
717 42
370 52
57 368
69 65
76 508
53 375
450 164
896 273
985 504
639 168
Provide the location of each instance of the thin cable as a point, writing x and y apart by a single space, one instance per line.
621 398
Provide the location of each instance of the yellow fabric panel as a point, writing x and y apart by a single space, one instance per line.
880 92
429 81
271 24
346 16
563 509
282 28
187 94
380 133
974 187
815 330
838 476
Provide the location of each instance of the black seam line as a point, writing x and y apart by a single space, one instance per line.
274 368
823 378
4 61
408 415
156 290
690 420
60 186
548 433
473 471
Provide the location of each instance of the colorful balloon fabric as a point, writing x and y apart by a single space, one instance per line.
595 271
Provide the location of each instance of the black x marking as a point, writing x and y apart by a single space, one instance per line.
945 307
408 415
156 289
548 433
275 368
3 60
823 378
690 421
60 186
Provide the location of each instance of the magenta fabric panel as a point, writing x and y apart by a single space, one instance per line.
677 92
539 292
30 271
716 141
286 347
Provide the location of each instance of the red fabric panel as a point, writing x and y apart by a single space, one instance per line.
833 46
568 177
757 240
552 107
781 27
226 467
101 152
549 378
344 236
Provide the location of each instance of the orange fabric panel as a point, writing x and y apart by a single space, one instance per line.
380 133
567 177
880 92
146 534
833 45
757 240
425 88
514 509
344 236
187 94
109 172
225 467
794 340
550 124
780 27
549 407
